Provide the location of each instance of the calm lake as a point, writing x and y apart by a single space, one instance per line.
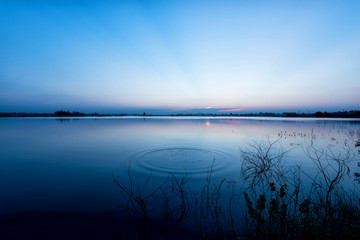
70 166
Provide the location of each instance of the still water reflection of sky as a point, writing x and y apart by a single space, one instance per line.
67 165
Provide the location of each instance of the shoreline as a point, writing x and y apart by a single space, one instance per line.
353 114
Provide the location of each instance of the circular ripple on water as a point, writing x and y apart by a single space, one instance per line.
182 160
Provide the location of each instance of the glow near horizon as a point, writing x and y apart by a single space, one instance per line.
208 54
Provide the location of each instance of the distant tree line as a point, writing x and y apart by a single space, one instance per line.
343 114
62 113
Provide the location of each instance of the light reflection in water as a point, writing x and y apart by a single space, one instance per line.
207 123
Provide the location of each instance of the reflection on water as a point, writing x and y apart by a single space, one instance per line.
65 166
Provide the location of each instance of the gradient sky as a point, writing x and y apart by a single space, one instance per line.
113 56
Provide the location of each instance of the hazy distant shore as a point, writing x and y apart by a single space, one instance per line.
61 113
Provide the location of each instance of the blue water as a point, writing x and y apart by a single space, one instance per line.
68 165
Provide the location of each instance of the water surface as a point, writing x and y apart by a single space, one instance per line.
68 165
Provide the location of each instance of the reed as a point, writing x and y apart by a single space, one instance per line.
274 203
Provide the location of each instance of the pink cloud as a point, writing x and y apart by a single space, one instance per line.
231 110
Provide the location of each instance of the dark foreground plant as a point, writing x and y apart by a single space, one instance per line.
176 204
272 216
274 203
326 211
262 162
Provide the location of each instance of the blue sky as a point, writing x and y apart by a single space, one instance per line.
172 56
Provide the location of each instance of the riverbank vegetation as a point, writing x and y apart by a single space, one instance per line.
270 200
62 113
